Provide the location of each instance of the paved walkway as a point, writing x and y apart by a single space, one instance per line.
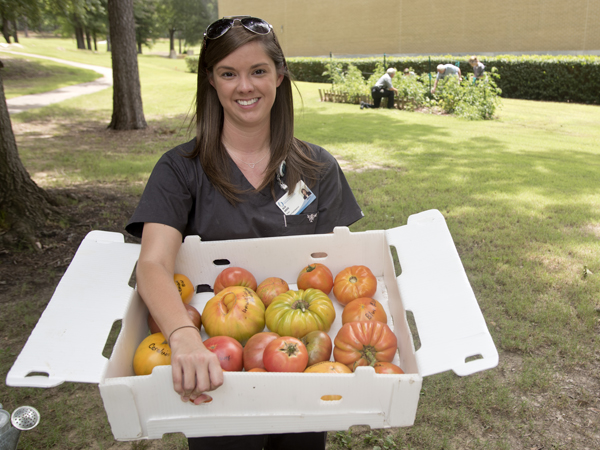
25 102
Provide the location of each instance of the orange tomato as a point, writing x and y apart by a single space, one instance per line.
256 369
328 367
184 286
387 367
153 351
354 282
364 308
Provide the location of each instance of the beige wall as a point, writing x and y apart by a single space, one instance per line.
425 27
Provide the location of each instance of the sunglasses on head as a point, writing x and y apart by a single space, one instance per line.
253 24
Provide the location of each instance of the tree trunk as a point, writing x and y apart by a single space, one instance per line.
15 32
5 31
24 206
139 48
108 49
128 112
172 53
88 39
95 41
79 37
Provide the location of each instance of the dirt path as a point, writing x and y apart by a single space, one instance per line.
25 102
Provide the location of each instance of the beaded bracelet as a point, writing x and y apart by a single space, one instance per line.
179 328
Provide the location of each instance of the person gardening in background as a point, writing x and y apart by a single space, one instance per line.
383 88
478 67
444 70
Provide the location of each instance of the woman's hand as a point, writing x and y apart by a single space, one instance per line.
196 370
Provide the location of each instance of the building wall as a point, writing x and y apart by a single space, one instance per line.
426 27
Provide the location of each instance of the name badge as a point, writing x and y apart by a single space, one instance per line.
293 203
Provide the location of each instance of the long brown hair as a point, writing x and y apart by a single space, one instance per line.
209 119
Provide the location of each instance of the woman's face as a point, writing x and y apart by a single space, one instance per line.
246 82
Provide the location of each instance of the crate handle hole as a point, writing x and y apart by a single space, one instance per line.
412 325
38 374
396 260
203 288
473 358
221 262
331 398
111 339
319 255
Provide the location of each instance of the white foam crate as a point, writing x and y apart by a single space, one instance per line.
67 342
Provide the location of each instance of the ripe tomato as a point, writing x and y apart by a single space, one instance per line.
192 312
184 286
234 276
297 313
316 276
319 346
254 349
285 354
387 367
153 351
228 350
236 312
256 369
354 282
271 288
364 308
364 344
328 367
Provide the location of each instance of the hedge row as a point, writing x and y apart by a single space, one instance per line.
552 78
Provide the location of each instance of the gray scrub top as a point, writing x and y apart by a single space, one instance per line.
179 194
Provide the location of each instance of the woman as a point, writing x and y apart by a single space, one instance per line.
228 183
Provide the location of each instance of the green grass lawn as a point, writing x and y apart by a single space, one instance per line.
520 194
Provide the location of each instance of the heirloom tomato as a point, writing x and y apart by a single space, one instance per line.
354 282
297 313
328 367
271 288
364 344
228 350
364 308
316 276
387 367
255 347
319 346
192 312
285 354
234 276
236 312
153 351
184 286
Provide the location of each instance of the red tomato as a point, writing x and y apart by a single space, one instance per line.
319 345
354 282
192 312
236 312
228 350
316 276
364 344
296 313
285 354
387 367
254 349
234 276
364 308
271 288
